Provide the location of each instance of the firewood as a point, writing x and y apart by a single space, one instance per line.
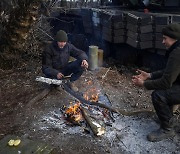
96 128
175 108
83 101
110 108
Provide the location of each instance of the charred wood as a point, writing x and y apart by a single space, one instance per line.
96 128
112 109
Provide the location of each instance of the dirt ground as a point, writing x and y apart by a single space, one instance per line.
43 122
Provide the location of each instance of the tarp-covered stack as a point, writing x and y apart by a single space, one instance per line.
139 30
113 26
87 20
160 21
176 19
97 28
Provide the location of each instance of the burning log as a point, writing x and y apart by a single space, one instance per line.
96 128
112 109
73 114
82 100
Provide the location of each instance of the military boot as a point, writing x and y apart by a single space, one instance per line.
160 134
165 131
72 86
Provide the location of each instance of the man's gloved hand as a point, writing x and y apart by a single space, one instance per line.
60 75
84 64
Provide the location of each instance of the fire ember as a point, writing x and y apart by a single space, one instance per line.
73 113
86 112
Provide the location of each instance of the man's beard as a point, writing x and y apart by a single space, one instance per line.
61 47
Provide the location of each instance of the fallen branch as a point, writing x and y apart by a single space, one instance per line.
82 100
40 96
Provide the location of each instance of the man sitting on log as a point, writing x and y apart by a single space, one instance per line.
166 84
55 61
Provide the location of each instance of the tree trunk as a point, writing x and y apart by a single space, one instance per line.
22 16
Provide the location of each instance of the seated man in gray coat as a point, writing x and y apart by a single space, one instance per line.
166 84
55 61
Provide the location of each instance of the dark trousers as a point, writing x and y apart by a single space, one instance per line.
73 68
163 101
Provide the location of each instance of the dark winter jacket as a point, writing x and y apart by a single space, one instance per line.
164 79
54 58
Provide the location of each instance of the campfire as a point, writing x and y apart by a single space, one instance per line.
73 113
88 108
95 117
91 109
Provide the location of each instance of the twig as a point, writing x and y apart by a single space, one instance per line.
103 76
60 20
46 33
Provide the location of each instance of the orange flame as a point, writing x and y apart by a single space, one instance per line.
73 111
91 95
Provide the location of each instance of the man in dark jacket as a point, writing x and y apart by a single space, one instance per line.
166 84
55 62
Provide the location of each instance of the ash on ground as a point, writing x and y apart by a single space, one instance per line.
44 122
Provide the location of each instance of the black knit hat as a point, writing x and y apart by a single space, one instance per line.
172 30
61 36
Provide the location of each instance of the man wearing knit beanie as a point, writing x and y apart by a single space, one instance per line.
56 63
172 31
165 83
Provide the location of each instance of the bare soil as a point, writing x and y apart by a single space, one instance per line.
42 121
